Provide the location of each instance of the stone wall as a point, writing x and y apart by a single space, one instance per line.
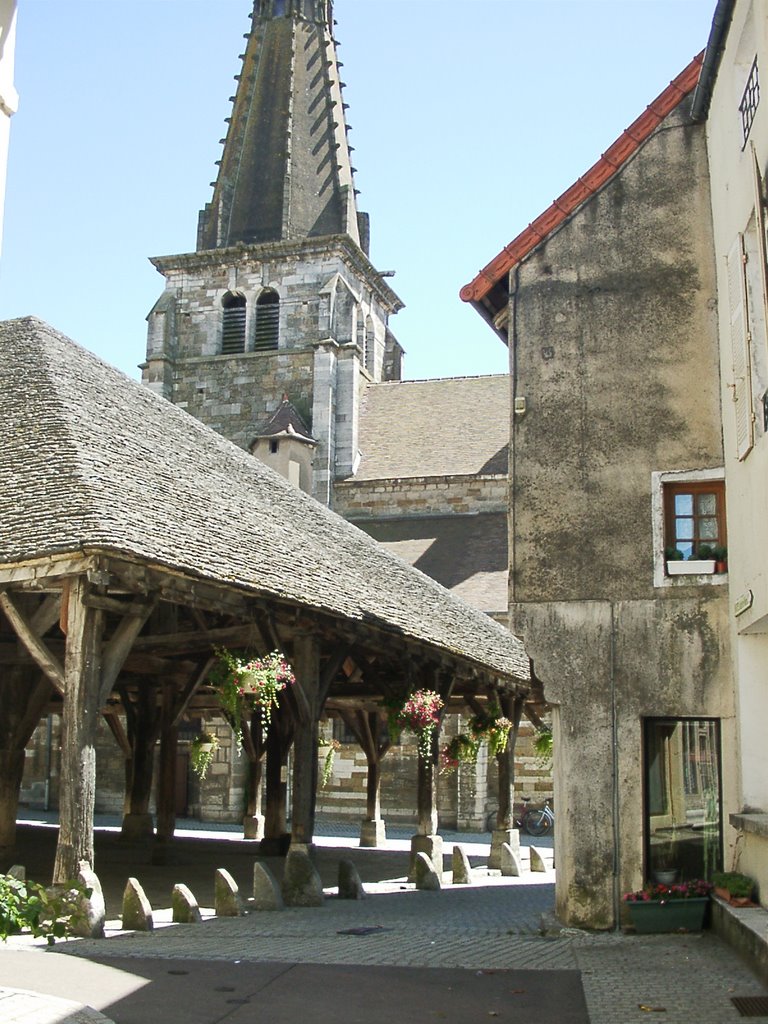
439 495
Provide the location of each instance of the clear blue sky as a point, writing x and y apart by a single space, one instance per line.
469 117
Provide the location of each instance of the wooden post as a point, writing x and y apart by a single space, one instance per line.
144 720
253 742
11 772
166 788
426 791
370 729
82 682
505 832
511 708
278 745
307 670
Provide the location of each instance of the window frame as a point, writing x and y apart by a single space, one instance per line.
672 489
660 479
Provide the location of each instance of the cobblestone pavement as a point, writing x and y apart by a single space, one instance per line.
494 924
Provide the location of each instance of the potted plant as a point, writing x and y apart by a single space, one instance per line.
668 908
202 750
720 555
492 726
734 888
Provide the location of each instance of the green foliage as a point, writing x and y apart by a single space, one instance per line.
673 555
46 913
202 750
542 744
704 554
248 683
462 749
492 726
737 885
330 756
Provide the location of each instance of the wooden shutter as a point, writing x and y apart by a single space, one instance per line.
742 377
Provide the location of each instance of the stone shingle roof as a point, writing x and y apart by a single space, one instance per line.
90 460
466 554
449 427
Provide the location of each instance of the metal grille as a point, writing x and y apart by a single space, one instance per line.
749 102
751 1006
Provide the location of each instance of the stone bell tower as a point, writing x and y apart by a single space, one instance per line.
280 298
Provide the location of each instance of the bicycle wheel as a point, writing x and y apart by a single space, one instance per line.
537 823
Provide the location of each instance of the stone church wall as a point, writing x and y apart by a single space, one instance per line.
438 495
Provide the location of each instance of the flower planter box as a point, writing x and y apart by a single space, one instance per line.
698 567
652 917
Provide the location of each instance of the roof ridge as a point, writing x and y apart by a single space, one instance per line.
599 174
436 380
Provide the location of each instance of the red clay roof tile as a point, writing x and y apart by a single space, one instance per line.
597 176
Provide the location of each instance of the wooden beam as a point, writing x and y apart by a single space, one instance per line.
39 570
186 695
245 635
117 649
38 650
116 728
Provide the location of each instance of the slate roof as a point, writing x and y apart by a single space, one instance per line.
488 291
466 554
92 461
285 420
455 426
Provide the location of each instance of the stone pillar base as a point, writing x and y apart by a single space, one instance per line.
137 827
499 836
432 846
253 826
275 846
373 832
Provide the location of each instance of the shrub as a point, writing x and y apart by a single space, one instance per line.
46 913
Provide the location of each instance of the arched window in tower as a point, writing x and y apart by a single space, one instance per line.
233 324
267 320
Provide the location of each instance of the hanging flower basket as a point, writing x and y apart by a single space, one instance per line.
493 727
462 749
202 751
420 714
247 684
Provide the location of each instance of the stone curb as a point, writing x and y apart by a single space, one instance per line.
19 1006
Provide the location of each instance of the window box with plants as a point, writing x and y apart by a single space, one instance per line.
669 908
701 563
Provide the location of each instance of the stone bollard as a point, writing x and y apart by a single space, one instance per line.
425 875
350 886
537 860
462 869
499 836
301 883
91 910
510 862
266 891
17 871
432 846
185 908
137 912
226 900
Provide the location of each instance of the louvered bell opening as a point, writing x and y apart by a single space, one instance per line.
267 321
233 326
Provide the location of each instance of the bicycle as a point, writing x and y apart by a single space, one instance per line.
536 821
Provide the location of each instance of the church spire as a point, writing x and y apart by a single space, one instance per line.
285 173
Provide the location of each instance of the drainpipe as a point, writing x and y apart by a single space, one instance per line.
703 92
615 778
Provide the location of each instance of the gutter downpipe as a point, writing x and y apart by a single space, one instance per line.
702 95
615 780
